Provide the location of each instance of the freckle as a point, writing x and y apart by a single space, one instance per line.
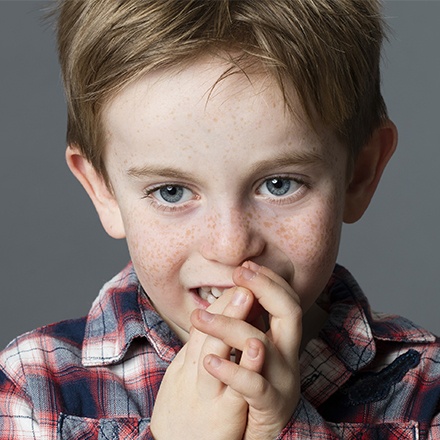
281 230
267 224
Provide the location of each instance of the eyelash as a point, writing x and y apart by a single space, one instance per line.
281 200
162 206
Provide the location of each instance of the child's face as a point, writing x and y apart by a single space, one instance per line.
204 182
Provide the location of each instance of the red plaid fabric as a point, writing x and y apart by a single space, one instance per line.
367 376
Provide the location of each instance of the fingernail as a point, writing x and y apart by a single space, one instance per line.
214 361
253 266
247 274
252 351
205 316
238 298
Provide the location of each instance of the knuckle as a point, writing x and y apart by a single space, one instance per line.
259 386
295 311
270 283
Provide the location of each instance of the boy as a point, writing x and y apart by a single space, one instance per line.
227 142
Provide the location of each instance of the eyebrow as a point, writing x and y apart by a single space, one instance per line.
151 170
295 158
307 158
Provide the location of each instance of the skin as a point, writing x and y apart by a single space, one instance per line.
255 204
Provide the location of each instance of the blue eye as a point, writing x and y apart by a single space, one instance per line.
278 186
171 193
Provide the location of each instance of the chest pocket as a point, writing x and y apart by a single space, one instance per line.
124 428
385 431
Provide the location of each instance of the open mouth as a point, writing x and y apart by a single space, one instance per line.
209 293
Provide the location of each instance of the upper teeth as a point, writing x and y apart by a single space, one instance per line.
210 294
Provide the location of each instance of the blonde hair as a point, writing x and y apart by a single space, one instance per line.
327 50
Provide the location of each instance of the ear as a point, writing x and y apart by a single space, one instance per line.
98 190
367 171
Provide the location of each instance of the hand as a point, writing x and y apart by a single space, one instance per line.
192 403
267 376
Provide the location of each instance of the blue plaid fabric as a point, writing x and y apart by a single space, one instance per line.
367 376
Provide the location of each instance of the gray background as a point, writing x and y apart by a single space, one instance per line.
55 256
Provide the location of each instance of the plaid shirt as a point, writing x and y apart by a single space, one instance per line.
367 376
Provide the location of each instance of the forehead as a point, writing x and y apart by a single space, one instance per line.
208 84
204 98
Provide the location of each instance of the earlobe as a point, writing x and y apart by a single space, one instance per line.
98 190
367 171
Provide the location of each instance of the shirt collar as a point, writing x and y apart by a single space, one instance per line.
352 328
121 313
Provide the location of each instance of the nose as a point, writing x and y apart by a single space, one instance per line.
232 237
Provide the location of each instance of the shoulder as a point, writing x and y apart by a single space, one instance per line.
364 332
47 349
58 346
395 328
397 335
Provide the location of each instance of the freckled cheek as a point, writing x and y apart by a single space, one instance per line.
311 245
157 251
311 241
